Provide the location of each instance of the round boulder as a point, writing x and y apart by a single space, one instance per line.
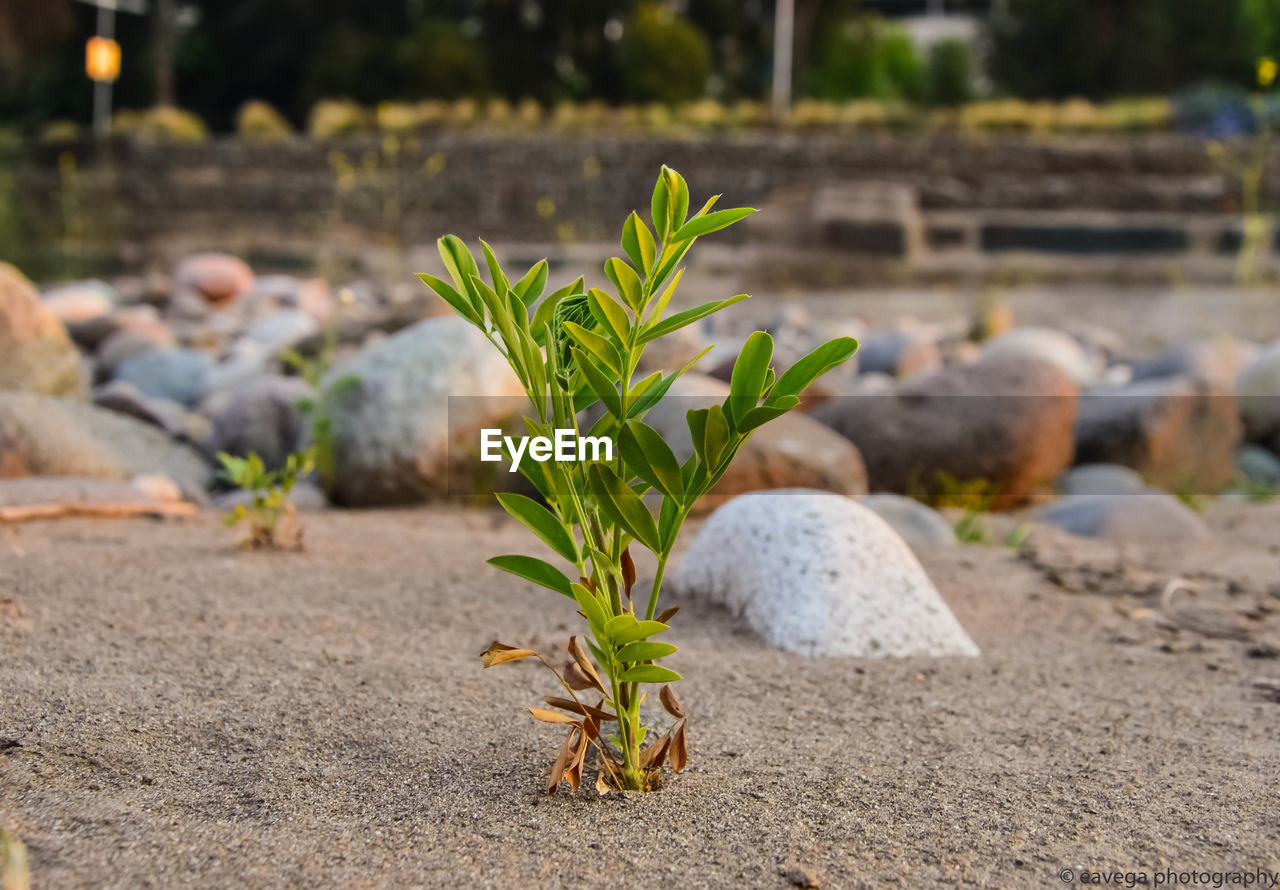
217 277
36 355
919 525
819 574
401 406
178 375
1044 344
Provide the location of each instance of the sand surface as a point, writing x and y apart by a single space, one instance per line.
177 713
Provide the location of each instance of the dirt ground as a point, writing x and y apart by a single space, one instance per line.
177 713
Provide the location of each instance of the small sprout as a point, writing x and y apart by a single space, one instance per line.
269 514
576 348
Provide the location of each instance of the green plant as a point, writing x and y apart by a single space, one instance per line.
951 72
573 349
269 514
317 409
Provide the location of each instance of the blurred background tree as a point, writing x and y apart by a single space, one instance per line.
292 53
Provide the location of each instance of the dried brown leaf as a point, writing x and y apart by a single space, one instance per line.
574 707
667 614
628 571
589 583
501 653
588 669
652 756
576 679
679 752
562 761
552 716
670 702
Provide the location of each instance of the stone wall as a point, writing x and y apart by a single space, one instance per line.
1150 194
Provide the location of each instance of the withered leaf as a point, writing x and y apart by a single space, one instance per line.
562 761
568 704
584 663
653 755
576 679
679 753
670 702
589 583
551 716
628 571
667 614
501 653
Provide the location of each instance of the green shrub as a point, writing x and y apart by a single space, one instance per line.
163 123
662 57
868 58
951 72
577 348
258 121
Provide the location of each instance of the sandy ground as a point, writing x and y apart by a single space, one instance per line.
176 713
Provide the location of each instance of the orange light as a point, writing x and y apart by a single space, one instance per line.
102 59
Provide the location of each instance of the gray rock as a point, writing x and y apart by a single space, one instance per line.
282 329
1150 516
819 574
402 405
1258 465
174 419
41 436
36 355
85 308
1258 388
262 418
1100 479
899 353
67 490
1218 360
1005 422
305 497
1046 345
178 375
1178 433
918 524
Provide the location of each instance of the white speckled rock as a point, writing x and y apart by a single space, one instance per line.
819 574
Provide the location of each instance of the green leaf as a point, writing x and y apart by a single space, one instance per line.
462 267
715 437
542 522
661 306
596 345
667 516
590 606
712 222
533 569
638 243
645 650
624 632
530 287
496 275
627 282
618 624
677 198
460 304
652 396
624 505
659 208
648 673
601 385
650 458
696 418
687 317
797 378
760 416
609 313
749 373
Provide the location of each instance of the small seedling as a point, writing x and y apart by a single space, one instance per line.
571 350
270 515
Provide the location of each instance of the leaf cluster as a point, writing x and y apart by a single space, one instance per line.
579 347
